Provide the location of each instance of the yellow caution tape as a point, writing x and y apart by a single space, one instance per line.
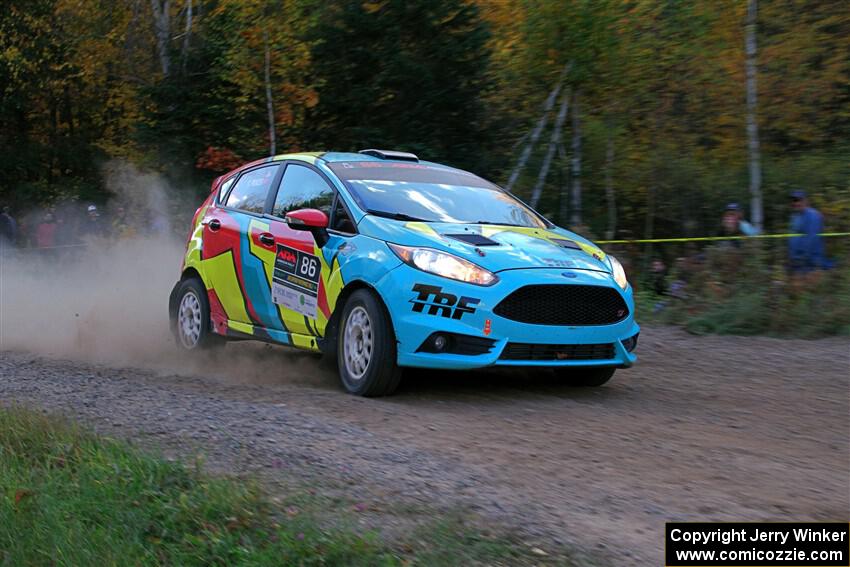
712 238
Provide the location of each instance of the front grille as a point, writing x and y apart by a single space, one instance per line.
557 304
533 351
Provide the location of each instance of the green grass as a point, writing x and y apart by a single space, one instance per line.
68 497
746 292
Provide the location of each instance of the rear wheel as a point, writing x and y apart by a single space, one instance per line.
192 327
366 348
591 376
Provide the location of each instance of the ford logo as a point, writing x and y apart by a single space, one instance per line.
568 274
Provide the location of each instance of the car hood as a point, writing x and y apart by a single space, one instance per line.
494 247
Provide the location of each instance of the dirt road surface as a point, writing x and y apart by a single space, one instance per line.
702 429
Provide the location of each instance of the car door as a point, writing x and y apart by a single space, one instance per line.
299 269
234 273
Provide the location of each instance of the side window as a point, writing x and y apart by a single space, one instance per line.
249 193
225 187
302 188
340 220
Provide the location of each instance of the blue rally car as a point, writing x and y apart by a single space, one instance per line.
385 261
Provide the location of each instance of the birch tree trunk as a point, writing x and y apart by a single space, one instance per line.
610 196
756 206
269 100
187 35
554 141
541 124
575 204
161 21
564 199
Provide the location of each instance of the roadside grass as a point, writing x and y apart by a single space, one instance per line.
69 497
746 292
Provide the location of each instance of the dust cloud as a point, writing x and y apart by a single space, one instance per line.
105 300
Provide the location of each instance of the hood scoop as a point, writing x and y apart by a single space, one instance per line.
563 243
473 239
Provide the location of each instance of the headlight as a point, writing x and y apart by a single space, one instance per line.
443 264
619 273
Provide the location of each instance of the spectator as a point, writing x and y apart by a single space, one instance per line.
92 225
45 232
659 276
805 252
122 227
159 224
66 221
8 228
733 223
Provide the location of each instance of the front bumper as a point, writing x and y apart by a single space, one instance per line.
421 304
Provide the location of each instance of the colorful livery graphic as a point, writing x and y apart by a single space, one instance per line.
385 261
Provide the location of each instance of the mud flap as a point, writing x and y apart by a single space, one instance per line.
172 307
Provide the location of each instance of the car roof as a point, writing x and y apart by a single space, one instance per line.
327 157
337 157
332 157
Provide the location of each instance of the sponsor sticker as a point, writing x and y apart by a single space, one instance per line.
347 249
441 303
559 263
295 283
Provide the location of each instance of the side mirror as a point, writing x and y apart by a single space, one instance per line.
312 220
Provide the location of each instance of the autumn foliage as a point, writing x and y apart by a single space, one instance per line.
218 160
654 142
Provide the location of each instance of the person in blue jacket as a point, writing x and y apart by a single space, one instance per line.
805 252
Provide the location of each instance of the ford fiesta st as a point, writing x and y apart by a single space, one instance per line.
385 261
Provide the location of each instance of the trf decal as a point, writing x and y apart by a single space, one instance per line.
443 304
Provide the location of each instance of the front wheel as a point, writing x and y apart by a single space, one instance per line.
366 348
591 376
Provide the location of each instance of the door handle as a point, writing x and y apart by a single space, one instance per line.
267 239
214 224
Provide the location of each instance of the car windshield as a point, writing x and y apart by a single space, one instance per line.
430 193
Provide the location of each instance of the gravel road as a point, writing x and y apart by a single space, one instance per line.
703 428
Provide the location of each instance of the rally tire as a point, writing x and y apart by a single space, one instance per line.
366 347
588 376
192 322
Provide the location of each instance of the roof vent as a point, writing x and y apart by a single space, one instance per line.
390 154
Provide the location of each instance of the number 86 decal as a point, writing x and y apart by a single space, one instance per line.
309 266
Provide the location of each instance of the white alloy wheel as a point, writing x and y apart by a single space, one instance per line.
189 323
357 343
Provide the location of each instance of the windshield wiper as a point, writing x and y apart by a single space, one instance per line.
498 223
394 216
